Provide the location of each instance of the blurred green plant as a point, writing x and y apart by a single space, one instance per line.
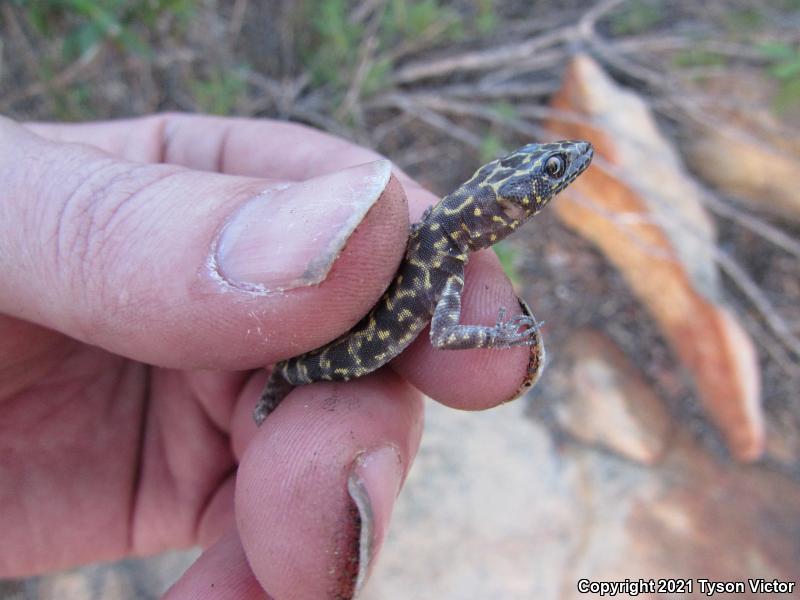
219 92
377 76
789 4
93 22
409 20
784 65
330 49
508 256
504 110
334 51
636 16
744 20
697 57
493 145
486 20
73 103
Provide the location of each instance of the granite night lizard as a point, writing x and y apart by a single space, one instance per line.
427 288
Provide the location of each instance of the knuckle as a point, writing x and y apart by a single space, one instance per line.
92 230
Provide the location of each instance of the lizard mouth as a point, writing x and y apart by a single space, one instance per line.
584 152
580 155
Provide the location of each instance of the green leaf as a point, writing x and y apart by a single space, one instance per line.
81 40
776 50
491 147
486 21
696 57
508 259
504 110
377 77
788 96
786 70
637 16
219 93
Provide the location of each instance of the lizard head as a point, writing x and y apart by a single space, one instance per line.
510 190
527 179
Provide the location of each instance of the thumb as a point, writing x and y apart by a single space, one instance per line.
190 269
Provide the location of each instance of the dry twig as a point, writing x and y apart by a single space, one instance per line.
753 223
415 155
429 38
237 18
759 300
432 118
491 91
365 59
479 60
772 346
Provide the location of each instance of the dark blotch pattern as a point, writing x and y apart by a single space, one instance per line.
497 199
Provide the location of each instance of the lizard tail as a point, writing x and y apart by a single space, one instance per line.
274 392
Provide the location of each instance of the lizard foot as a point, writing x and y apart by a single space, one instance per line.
520 330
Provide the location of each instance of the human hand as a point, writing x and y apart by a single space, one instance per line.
162 241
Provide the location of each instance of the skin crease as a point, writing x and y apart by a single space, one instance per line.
102 456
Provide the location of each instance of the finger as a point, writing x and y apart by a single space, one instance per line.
190 269
471 379
466 379
221 573
317 483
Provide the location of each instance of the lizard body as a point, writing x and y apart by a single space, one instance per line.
495 201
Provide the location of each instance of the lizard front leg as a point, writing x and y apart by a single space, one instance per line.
447 333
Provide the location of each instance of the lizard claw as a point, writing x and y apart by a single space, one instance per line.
520 330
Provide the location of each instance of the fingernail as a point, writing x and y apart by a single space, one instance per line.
288 238
373 485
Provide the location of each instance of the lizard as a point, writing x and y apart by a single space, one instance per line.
498 198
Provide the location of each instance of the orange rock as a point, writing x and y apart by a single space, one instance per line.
700 529
639 206
610 404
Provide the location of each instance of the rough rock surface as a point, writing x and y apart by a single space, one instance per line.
609 403
494 509
141 579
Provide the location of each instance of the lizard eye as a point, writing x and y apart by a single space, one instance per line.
555 166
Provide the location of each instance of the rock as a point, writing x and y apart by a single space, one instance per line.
143 578
12 589
69 586
698 514
639 206
494 509
610 404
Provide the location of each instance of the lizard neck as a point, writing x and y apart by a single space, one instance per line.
472 218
